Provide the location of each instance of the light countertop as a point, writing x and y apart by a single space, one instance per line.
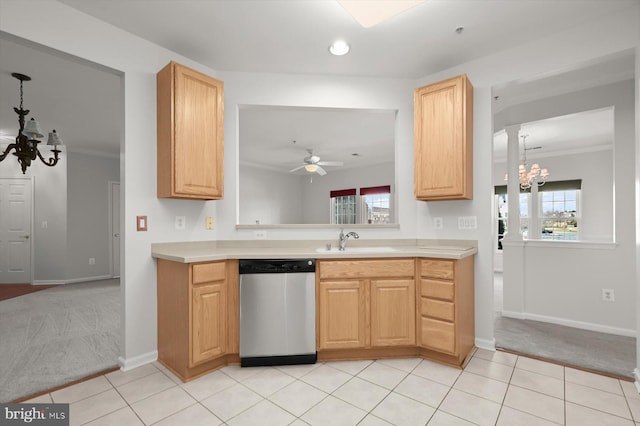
204 251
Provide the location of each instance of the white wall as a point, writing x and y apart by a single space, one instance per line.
564 285
88 217
60 27
269 197
55 25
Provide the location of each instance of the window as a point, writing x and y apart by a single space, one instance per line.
343 206
557 212
559 215
375 203
372 205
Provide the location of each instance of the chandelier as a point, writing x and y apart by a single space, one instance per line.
26 144
535 175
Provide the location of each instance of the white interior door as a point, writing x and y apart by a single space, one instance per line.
114 201
15 230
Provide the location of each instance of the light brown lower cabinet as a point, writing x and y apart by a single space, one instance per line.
446 307
365 309
198 316
365 303
395 308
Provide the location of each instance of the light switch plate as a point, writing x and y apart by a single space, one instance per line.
141 223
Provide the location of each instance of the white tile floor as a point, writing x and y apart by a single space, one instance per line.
496 388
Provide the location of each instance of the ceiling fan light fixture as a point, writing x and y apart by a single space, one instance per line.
339 48
311 168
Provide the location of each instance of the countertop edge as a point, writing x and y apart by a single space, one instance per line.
194 255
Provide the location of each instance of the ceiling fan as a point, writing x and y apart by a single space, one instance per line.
312 164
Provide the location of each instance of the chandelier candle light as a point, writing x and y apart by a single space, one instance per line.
535 175
26 144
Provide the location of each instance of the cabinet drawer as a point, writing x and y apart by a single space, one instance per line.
207 272
436 289
437 309
366 268
442 269
438 335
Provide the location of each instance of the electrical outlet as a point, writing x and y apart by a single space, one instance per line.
92 261
181 222
608 295
467 222
437 223
260 235
210 222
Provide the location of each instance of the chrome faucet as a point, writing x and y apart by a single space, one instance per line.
342 239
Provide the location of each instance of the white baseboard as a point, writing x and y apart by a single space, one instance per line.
572 323
48 282
86 279
513 314
73 280
487 344
137 361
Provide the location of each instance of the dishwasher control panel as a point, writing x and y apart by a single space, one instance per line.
276 266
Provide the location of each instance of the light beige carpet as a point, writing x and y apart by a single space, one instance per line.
57 336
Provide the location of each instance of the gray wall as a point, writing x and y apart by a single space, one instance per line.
88 217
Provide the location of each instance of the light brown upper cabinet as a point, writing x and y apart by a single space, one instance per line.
190 134
443 132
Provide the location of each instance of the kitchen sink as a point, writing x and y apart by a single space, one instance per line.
347 250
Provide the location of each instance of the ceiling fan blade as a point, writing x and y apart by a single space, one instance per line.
297 168
321 171
330 163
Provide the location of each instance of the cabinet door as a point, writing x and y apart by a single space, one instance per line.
443 132
198 134
208 322
342 314
393 312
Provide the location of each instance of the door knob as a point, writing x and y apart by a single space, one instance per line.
116 235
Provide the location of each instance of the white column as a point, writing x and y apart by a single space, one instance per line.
513 186
512 244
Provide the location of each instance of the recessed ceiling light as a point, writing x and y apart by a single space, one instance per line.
371 12
339 48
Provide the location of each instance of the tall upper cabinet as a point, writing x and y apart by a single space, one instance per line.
444 140
190 134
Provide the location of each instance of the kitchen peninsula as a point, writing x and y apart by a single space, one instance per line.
376 299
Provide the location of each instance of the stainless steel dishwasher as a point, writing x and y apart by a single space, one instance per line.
277 312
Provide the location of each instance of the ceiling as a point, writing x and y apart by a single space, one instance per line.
293 36
83 101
